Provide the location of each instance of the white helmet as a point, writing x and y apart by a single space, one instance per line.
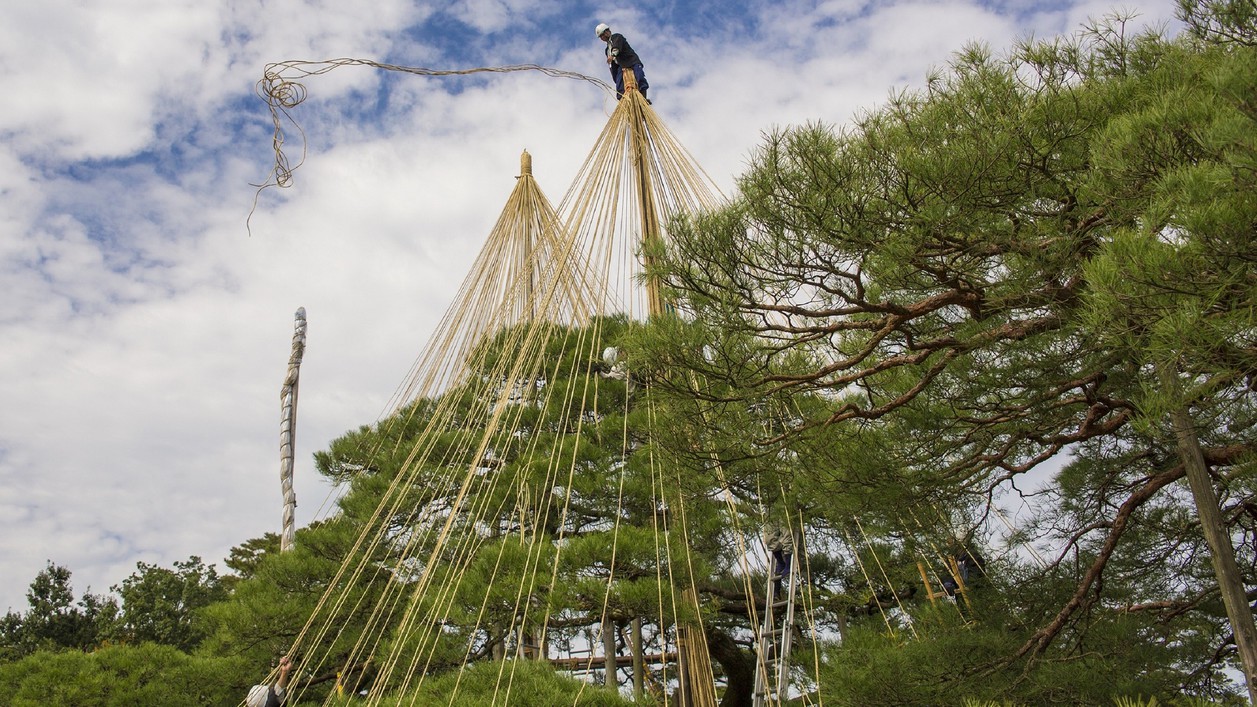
602 27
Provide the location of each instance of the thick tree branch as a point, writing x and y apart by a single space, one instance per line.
1043 638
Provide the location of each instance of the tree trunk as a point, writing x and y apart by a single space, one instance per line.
738 666
1230 582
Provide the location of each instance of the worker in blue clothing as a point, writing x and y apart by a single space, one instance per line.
780 543
964 566
620 56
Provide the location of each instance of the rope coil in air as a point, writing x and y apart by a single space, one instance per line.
282 90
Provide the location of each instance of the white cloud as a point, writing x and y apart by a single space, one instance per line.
496 15
93 78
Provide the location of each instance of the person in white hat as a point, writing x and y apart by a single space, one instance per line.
620 56
271 695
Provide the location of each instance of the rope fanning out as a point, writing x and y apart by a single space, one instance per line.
547 278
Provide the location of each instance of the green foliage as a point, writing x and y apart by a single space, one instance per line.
945 657
244 558
893 323
519 683
157 605
1221 22
1178 285
163 605
1120 701
264 612
146 675
53 620
911 315
447 565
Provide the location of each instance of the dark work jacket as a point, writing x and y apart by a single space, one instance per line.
619 50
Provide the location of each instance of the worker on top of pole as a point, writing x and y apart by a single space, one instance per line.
620 56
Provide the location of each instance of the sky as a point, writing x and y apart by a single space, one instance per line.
145 331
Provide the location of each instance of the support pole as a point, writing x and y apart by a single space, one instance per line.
1230 581
608 651
645 193
527 261
639 664
288 430
685 699
925 580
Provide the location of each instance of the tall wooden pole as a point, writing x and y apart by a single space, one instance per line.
288 430
685 697
639 663
527 260
608 652
645 192
650 235
1227 571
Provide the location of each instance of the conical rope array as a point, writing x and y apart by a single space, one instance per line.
514 419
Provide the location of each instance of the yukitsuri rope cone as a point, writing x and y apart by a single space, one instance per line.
516 418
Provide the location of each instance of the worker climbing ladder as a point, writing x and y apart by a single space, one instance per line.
776 632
